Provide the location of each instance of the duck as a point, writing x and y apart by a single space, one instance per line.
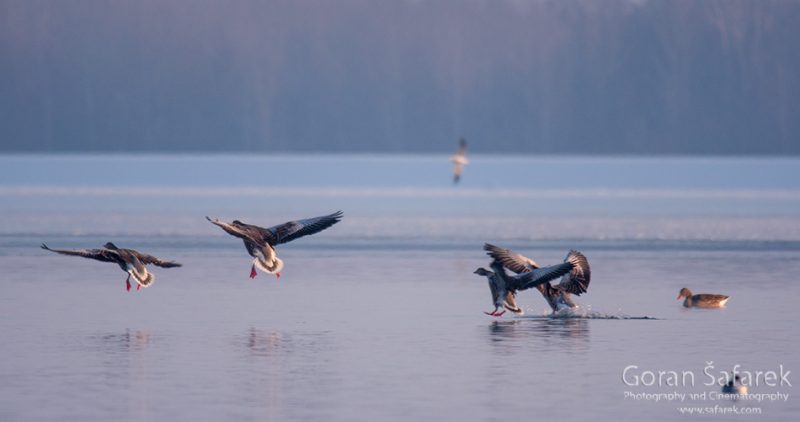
260 242
702 300
735 386
575 275
459 160
129 260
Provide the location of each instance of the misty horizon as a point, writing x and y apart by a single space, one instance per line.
625 77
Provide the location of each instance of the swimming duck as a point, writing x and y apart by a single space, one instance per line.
703 300
735 386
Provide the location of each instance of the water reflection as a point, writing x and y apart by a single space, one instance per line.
279 366
261 343
571 334
127 341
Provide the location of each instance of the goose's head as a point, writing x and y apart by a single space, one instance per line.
684 293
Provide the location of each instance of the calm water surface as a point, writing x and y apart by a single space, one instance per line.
380 317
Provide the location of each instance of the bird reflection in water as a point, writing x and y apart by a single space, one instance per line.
262 343
130 340
541 333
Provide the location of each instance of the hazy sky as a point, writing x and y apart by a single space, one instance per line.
608 76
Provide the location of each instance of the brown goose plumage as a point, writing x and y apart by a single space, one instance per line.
574 272
129 260
260 242
702 300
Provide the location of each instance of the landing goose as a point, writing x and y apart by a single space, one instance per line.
131 261
575 275
261 242
459 160
702 300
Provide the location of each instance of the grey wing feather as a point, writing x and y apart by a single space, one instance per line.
150 259
104 255
577 280
292 230
514 261
246 232
542 275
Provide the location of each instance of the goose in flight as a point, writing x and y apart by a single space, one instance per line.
702 300
131 261
261 242
459 160
574 272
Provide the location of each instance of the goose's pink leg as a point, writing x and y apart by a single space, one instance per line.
128 283
278 274
253 271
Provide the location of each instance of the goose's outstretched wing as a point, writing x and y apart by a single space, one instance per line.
538 276
292 230
104 255
514 261
242 231
577 280
150 259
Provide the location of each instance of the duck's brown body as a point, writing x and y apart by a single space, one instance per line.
702 300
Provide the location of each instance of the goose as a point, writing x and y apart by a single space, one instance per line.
459 160
735 386
702 300
575 276
260 242
131 261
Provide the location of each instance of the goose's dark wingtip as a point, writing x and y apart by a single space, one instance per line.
490 247
44 246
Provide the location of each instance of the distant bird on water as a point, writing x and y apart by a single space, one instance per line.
702 300
459 160
261 242
131 261
735 386
574 272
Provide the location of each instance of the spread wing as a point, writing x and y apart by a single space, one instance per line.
244 231
292 230
150 259
538 276
513 261
577 281
105 255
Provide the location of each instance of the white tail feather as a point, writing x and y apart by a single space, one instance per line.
276 267
144 280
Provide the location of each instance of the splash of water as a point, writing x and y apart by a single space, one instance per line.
584 312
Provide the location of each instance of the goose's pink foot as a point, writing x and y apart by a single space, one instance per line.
253 271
